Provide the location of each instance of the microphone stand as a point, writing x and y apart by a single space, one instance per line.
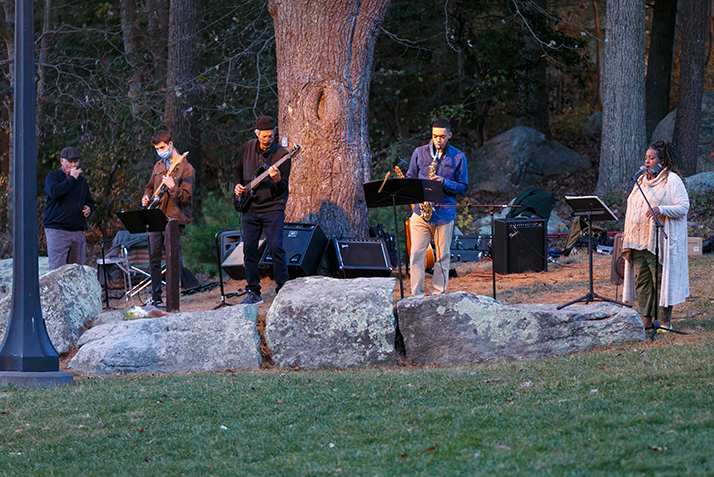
658 227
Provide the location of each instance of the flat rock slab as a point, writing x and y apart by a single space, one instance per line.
319 322
201 341
463 328
70 297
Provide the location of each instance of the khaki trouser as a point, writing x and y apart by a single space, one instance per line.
421 234
644 263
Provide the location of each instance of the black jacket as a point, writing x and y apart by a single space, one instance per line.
66 197
270 196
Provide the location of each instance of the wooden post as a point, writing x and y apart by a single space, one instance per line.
173 270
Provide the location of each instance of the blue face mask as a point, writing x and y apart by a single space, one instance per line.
652 173
165 154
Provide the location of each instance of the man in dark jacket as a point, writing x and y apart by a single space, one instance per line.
171 184
267 208
69 203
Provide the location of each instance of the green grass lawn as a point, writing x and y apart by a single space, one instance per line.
642 409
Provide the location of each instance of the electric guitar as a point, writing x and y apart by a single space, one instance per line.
242 202
429 260
161 189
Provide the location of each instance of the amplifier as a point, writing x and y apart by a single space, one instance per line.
304 245
359 258
520 245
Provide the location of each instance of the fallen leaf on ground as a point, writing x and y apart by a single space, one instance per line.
502 447
431 448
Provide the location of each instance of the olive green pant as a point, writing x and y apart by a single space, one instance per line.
644 263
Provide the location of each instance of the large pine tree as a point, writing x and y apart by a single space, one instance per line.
324 50
623 87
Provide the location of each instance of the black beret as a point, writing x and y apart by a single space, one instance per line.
265 123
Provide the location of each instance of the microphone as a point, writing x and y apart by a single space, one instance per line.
639 172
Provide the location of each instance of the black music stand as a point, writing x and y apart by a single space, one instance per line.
401 192
592 209
144 220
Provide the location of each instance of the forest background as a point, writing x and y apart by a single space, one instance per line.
110 73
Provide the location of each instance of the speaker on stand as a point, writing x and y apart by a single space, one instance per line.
520 245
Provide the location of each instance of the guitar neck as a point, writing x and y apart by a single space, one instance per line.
170 171
254 183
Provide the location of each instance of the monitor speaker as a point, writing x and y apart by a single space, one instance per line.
230 239
520 245
359 258
233 263
304 245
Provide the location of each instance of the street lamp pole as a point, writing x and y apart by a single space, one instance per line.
27 356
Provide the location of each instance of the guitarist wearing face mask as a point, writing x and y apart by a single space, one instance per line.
170 189
263 206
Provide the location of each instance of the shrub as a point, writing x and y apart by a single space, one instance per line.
198 243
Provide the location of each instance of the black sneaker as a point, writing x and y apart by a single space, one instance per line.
252 299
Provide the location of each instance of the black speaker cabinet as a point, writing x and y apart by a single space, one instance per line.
304 245
233 263
520 245
359 258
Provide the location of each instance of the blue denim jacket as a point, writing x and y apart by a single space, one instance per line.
456 178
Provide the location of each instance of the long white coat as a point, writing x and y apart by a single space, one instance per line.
673 201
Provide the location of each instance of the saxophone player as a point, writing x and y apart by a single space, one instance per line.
440 161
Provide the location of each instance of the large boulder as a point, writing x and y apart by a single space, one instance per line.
6 270
705 152
318 322
702 183
70 297
519 158
202 341
463 328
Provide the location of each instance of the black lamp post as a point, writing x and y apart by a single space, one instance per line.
27 356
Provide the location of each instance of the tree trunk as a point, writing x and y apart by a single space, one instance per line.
659 62
133 45
691 66
325 50
533 101
623 123
158 36
183 96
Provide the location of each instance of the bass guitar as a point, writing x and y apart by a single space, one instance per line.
242 202
429 260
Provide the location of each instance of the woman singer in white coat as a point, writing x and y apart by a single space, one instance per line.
663 185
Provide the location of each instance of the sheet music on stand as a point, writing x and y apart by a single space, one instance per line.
590 206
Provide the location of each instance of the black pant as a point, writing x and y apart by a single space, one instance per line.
253 225
156 240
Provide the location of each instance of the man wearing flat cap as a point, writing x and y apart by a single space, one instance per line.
69 203
266 211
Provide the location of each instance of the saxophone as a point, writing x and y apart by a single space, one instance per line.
426 207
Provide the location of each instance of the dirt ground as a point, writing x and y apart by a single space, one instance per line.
565 280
